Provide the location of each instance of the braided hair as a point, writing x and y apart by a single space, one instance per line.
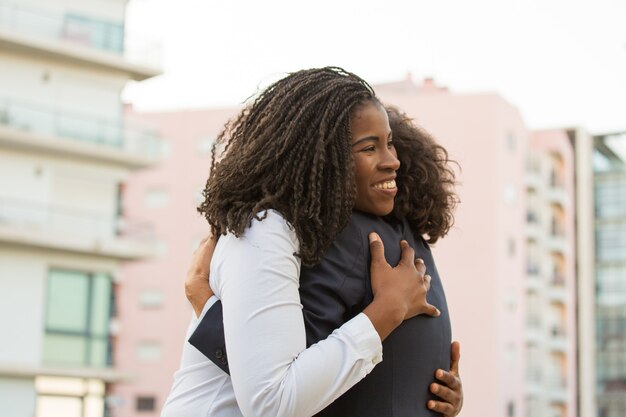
290 151
425 180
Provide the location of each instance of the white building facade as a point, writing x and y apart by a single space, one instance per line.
66 150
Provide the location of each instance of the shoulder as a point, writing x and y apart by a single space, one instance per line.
267 228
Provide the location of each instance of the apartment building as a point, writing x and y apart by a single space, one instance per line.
551 375
66 150
609 181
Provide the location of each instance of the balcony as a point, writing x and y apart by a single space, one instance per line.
533 231
556 391
533 180
557 341
558 196
41 225
534 381
533 334
24 124
557 294
33 371
533 278
557 244
73 37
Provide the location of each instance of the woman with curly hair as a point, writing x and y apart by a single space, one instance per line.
309 169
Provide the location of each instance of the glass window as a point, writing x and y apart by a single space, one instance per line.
151 298
78 311
156 197
148 351
69 397
610 196
146 404
611 242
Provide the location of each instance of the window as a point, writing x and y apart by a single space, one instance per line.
510 409
148 351
146 404
69 397
78 311
156 198
610 197
510 194
151 298
510 142
511 246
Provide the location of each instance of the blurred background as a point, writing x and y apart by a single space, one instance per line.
108 110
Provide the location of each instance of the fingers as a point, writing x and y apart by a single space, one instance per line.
431 310
377 249
420 266
427 279
448 379
455 357
444 408
408 254
450 390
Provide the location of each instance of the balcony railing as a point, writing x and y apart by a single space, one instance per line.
533 321
534 374
557 331
76 29
532 269
70 27
41 119
71 222
532 217
558 280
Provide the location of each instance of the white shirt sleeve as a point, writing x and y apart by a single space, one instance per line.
273 374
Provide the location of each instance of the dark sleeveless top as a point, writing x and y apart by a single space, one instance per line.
337 289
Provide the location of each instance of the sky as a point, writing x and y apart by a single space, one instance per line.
560 62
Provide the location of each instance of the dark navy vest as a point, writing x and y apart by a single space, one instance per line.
339 288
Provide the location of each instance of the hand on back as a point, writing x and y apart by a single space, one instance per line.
197 289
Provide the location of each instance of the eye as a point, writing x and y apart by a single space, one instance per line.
370 148
390 144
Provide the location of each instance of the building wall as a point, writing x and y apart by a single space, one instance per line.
585 270
610 282
553 386
154 312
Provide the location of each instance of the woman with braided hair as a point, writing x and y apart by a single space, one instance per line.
309 169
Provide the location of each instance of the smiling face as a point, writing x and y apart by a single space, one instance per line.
375 160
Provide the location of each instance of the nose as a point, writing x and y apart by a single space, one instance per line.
389 160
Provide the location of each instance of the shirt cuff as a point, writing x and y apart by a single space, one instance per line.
366 340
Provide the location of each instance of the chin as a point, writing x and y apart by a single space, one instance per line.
376 210
383 211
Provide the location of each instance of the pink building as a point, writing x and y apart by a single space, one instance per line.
153 311
483 261
551 276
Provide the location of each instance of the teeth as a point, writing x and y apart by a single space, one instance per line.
387 185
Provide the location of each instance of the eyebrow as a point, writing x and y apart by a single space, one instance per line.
370 138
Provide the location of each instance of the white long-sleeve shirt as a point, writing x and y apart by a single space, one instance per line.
272 372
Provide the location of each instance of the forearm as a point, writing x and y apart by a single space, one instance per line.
383 318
